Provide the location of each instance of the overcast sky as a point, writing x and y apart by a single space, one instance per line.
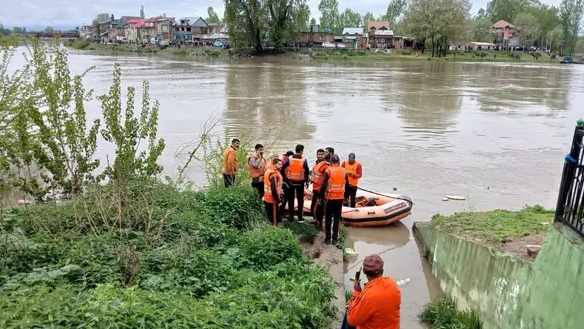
77 12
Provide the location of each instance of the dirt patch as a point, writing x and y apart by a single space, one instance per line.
518 246
332 258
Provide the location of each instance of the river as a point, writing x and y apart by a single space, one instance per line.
495 133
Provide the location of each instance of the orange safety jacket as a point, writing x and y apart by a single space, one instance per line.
377 306
256 172
355 169
318 175
335 187
295 170
268 197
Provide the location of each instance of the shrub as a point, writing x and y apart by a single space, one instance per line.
239 207
443 314
80 44
268 246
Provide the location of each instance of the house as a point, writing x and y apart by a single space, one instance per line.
134 29
215 27
314 37
164 28
379 34
354 37
506 34
187 27
86 31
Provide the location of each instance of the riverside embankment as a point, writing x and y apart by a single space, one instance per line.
483 260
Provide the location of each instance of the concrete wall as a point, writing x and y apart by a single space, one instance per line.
508 292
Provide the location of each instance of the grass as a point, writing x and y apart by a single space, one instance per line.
497 225
443 314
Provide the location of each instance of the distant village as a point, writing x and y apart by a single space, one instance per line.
196 31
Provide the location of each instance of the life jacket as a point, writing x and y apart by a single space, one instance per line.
335 188
256 172
351 168
318 174
268 197
295 169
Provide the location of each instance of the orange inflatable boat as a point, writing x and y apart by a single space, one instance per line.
372 209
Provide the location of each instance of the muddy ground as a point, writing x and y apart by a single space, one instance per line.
518 246
331 257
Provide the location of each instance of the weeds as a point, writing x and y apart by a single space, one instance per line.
443 314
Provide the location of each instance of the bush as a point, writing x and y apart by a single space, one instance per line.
80 44
181 260
443 314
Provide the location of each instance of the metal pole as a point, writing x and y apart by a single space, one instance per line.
570 164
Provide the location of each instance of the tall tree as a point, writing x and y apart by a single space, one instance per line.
571 15
300 19
212 16
350 18
505 9
330 16
368 17
528 28
395 9
481 30
142 12
246 20
313 21
436 22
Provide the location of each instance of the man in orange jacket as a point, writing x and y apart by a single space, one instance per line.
230 163
332 193
296 173
257 166
316 207
377 305
273 190
354 172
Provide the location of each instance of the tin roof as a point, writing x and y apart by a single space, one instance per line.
193 21
353 30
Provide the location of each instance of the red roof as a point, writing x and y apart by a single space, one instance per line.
502 24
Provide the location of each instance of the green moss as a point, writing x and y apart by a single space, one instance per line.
497 225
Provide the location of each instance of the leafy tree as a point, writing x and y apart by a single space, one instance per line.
247 23
505 9
212 16
368 17
142 12
528 28
554 38
395 9
436 22
100 18
350 18
481 30
330 16
313 21
570 16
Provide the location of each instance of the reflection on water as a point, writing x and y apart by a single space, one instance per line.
493 132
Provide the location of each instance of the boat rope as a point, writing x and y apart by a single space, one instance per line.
387 196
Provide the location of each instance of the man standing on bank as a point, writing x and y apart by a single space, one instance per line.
317 208
273 191
257 167
230 163
333 193
377 305
354 172
297 174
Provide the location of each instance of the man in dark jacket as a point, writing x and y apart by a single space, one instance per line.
296 171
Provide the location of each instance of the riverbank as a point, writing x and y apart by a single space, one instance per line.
160 258
507 287
317 54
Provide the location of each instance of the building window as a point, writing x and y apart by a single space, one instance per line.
188 29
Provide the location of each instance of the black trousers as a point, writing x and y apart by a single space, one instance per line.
273 212
350 194
296 189
333 209
317 209
229 180
258 185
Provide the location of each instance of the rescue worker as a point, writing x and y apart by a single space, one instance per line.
286 185
230 163
273 191
354 172
297 175
317 208
257 167
328 153
333 193
377 305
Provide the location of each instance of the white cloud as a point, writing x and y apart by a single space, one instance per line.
75 13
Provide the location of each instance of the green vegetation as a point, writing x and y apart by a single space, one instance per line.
80 44
497 225
127 250
443 314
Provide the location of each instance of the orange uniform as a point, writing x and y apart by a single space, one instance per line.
318 175
272 172
377 306
295 171
355 169
229 161
335 187
254 172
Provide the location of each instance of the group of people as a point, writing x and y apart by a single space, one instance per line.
282 179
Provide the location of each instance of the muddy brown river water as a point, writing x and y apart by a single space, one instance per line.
495 133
